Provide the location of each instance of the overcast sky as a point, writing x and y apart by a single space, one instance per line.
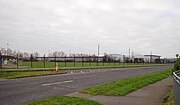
78 26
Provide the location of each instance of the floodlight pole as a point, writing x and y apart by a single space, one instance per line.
129 53
98 49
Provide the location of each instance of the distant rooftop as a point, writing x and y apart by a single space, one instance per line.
153 55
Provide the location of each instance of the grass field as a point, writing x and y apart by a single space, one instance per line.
64 100
40 64
123 87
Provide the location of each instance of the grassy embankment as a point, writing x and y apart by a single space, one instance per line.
123 87
12 75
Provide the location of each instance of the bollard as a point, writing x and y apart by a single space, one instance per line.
56 67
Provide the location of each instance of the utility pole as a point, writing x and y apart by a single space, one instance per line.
132 55
129 53
98 49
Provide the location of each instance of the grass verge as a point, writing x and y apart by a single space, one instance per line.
12 75
123 87
64 100
168 99
85 67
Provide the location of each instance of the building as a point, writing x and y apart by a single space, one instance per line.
152 58
138 58
116 57
169 60
7 58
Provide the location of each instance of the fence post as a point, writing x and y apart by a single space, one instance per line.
103 61
31 60
44 61
17 60
0 60
97 61
65 60
109 61
82 62
55 61
123 61
90 60
74 61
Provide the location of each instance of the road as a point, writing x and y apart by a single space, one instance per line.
20 91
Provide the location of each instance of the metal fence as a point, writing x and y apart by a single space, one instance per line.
176 86
73 61
66 61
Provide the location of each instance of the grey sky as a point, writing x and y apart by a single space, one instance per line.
78 26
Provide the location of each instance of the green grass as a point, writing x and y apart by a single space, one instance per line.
123 87
27 68
64 100
40 64
11 75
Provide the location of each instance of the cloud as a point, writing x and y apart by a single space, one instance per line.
80 25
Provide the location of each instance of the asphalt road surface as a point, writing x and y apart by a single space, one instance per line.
24 90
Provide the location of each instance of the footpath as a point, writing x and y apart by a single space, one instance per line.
148 95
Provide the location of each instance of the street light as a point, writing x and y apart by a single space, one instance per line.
98 49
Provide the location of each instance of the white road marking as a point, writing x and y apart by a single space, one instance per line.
55 83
